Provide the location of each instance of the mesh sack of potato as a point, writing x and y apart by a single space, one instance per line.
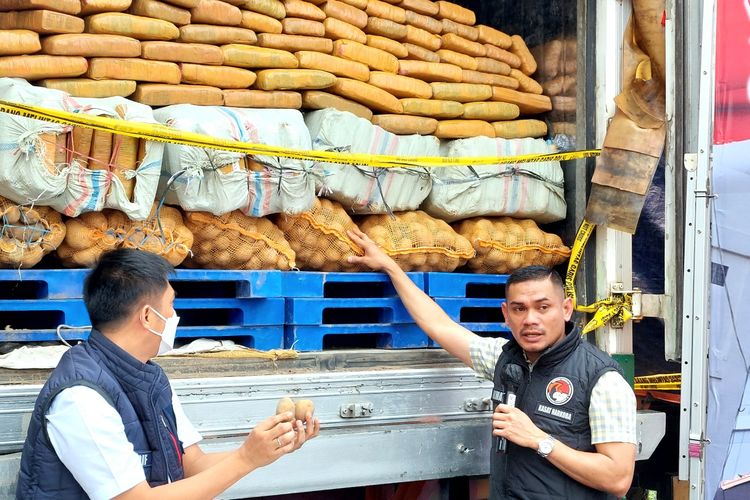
27 234
88 236
417 242
237 241
504 244
319 237
94 233
163 233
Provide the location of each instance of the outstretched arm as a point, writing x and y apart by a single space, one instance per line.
426 313
269 441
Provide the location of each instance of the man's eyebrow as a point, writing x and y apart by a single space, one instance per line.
536 301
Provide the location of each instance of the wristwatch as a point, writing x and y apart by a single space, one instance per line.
546 446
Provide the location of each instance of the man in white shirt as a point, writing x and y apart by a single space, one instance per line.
107 423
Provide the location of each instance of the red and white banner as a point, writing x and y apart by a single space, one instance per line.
732 121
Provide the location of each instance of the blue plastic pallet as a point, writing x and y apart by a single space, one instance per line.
36 320
385 336
342 285
68 283
231 312
465 285
258 337
481 316
314 311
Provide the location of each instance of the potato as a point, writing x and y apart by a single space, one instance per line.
284 405
302 407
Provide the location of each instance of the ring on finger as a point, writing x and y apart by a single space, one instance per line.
278 441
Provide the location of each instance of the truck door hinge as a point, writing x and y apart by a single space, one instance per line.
636 304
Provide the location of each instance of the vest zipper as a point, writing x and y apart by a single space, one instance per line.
173 438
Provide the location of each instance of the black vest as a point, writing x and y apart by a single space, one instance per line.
139 392
555 395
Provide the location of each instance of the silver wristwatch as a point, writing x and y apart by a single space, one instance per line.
546 446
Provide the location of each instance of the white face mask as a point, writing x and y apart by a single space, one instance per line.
168 333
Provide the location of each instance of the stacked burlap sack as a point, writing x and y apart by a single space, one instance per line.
524 190
557 72
414 66
75 169
27 234
94 233
220 182
364 189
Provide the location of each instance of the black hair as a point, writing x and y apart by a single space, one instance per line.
535 273
121 281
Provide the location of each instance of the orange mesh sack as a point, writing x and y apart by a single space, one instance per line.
319 237
417 242
88 237
94 233
504 244
164 234
237 241
27 234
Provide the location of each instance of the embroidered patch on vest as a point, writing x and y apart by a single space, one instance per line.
559 391
556 413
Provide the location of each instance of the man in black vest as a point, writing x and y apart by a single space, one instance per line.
571 433
107 423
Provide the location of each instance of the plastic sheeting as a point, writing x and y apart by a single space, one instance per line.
728 424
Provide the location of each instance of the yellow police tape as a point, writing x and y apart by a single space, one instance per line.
661 382
604 310
162 133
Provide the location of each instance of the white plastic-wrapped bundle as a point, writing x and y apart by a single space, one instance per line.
41 163
218 181
524 191
364 189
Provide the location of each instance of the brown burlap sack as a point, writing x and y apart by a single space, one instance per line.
94 233
418 242
237 241
27 234
319 237
504 244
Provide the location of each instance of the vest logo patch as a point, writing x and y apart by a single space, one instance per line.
556 413
145 459
559 391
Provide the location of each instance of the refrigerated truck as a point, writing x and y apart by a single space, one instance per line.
393 416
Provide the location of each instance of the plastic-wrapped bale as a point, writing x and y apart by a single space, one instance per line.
504 244
237 241
319 237
219 182
94 233
364 189
527 190
417 242
50 168
27 234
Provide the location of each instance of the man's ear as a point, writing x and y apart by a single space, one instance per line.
568 308
145 316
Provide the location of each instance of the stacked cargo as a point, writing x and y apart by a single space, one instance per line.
420 66
557 72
